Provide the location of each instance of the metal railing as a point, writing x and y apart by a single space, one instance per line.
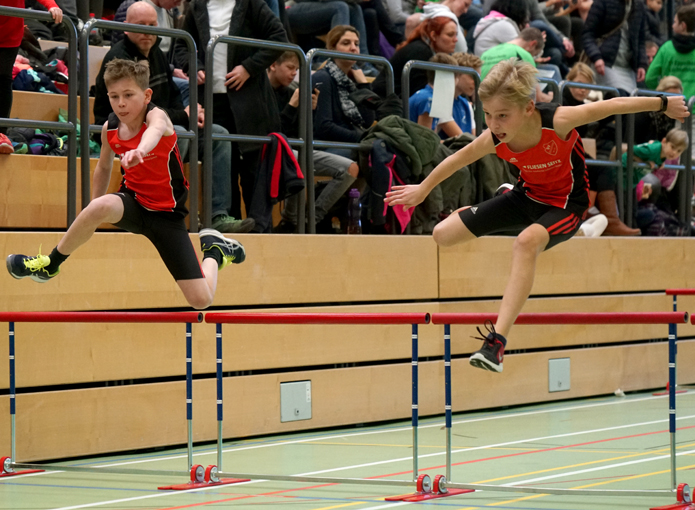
209 137
552 84
192 132
71 125
324 144
617 164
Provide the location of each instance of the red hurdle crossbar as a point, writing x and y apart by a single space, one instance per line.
115 317
317 318
567 318
680 292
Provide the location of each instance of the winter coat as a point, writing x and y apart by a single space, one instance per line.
604 16
254 105
675 58
653 27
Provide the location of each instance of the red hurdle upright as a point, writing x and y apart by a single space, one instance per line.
670 318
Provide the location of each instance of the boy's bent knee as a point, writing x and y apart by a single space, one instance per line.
199 302
442 236
105 208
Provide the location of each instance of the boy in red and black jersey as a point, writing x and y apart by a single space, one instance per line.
151 199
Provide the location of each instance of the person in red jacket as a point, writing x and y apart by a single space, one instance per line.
11 33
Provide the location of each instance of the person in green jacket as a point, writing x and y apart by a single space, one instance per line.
656 153
528 44
677 56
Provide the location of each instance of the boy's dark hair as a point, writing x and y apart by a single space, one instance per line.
286 56
530 34
686 14
440 58
119 69
516 10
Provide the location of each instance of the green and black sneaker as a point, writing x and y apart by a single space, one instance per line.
232 251
21 266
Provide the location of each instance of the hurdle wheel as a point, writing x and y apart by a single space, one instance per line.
197 474
424 484
439 485
6 464
683 493
211 474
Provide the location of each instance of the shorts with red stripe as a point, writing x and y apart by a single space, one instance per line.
514 211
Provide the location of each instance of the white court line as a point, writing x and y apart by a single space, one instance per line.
344 468
403 429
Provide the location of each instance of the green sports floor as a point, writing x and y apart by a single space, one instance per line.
608 442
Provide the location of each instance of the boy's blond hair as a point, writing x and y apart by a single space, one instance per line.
439 58
120 69
669 82
583 70
678 138
468 60
513 79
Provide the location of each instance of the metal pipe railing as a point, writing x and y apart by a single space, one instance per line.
71 125
304 99
193 111
309 135
554 86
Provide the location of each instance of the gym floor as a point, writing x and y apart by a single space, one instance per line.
608 442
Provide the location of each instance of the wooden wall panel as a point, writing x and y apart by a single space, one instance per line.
85 422
581 265
40 106
55 354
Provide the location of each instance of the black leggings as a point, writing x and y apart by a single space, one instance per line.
7 56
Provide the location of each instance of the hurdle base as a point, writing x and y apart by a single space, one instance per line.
26 472
426 496
663 393
198 485
677 506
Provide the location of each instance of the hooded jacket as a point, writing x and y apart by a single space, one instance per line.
675 58
493 29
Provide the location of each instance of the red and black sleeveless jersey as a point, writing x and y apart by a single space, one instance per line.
554 171
158 184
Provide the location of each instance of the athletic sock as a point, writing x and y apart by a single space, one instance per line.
215 254
57 259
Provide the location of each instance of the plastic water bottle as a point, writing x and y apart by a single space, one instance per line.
354 212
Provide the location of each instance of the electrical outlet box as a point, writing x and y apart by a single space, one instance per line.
295 401
558 374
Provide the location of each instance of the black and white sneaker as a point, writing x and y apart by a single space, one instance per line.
21 266
232 251
491 355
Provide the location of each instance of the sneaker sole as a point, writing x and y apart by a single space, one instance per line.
4 149
234 243
32 276
480 361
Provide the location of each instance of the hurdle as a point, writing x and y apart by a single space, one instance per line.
670 318
8 466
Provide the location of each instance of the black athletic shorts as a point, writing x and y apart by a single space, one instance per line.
168 233
514 211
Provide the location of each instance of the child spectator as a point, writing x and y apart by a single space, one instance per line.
421 103
653 22
152 197
467 81
571 96
651 49
11 32
677 56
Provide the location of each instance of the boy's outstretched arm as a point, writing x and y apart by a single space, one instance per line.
569 117
158 125
102 172
411 195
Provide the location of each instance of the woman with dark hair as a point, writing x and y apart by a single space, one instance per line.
435 35
504 22
336 117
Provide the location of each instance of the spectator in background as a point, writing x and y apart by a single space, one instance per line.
376 22
243 100
468 82
11 33
653 21
341 170
504 22
527 46
613 39
677 56
435 35
420 105
337 118
651 49
445 8
166 95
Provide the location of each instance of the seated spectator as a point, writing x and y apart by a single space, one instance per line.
504 22
573 96
653 25
341 170
613 40
655 125
468 82
677 56
435 35
337 118
243 101
421 103
377 21
166 95
444 8
651 48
